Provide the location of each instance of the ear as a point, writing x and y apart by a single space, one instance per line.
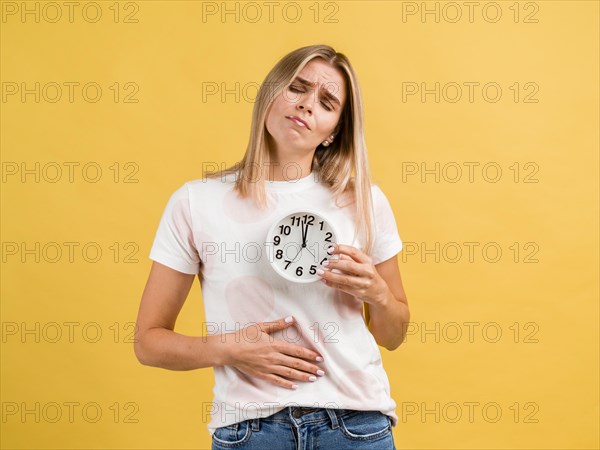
336 130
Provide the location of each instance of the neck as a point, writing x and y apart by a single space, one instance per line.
293 167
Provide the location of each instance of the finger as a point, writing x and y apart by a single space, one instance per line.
350 251
276 325
279 381
343 280
348 266
300 365
298 351
293 374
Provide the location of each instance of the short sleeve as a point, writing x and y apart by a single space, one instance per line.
386 240
174 244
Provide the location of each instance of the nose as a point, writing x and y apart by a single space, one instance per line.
302 107
305 103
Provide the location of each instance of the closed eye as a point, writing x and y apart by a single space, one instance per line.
296 90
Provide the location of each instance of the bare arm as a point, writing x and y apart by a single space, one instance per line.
378 286
388 322
156 344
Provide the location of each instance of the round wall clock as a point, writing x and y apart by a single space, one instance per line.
298 244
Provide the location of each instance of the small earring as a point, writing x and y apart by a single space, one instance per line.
326 143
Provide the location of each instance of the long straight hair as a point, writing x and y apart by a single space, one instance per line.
342 166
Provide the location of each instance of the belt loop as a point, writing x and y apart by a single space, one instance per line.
233 428
256 424
333 416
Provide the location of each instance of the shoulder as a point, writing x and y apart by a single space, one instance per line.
377 193
200 185
375 189
381 203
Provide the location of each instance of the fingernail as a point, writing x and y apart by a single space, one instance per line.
320 271
312 378
320 373
325 263
294 386
331 250
289 319
319 358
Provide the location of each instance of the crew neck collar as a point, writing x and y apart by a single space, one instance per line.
292 184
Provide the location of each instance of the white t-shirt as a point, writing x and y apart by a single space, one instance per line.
205 220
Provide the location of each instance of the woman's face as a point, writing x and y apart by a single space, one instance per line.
318 104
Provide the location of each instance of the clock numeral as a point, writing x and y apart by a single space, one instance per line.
288 263
277 240
309 222
328 236
285 229
324 259
313 270
321 222
279 254
299 271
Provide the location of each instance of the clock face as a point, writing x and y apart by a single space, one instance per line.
298 245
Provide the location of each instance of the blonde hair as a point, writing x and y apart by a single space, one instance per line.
347 153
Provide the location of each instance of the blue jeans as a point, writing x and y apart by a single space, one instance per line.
303 428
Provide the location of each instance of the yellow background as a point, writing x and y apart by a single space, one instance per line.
549 375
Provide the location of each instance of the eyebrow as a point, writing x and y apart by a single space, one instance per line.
327 94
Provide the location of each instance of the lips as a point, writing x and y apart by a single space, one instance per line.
298 119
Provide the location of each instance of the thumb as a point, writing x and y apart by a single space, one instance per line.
270 327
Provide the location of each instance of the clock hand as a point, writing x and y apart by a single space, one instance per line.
304 232
301 246
304 245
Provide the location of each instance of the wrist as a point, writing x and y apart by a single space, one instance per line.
383 300
219 347
227 348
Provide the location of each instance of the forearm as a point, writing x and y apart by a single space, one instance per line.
388 321
161 347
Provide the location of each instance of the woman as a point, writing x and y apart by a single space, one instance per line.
296 365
